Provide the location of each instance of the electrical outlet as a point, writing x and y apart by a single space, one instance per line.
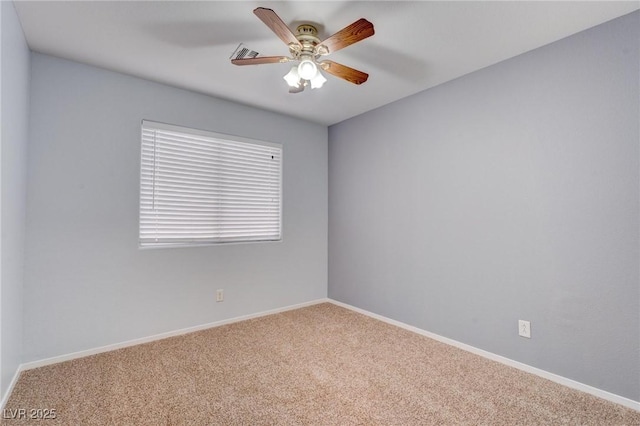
524 329
220 295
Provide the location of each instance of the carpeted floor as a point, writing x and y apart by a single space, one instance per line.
320 365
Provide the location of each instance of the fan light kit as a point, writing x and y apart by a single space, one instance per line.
306 49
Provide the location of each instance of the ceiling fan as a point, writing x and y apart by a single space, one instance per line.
307 50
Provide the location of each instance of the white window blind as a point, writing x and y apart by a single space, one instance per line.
199 187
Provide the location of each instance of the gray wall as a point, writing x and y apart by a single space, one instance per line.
15 62
510 193
86 282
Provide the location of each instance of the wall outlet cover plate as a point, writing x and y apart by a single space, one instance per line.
524 329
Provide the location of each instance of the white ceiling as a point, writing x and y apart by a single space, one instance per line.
417 44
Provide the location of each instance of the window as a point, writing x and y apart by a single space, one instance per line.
199 187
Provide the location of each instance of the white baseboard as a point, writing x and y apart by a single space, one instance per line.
14 380
115 346
629 403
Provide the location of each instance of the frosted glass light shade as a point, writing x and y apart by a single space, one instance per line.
307 69
293 78
318 80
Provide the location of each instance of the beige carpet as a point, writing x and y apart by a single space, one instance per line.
321 365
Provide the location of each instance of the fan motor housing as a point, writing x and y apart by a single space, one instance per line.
307 35
307 29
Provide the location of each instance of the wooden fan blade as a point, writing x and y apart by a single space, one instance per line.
260 60
351 75
273 21
349 35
